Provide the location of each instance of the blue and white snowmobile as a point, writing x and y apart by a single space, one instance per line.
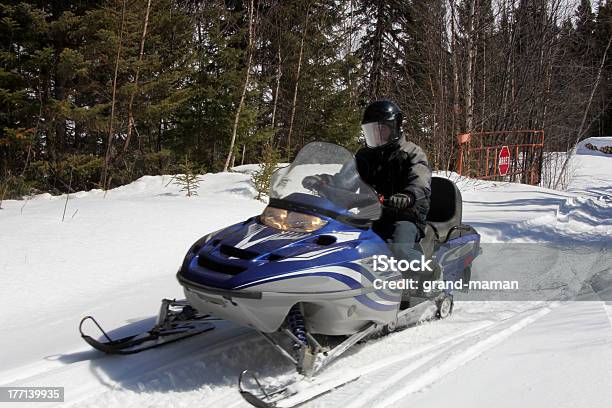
302 273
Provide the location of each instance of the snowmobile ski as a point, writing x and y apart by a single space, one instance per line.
292 394
309 385
176 321
305 386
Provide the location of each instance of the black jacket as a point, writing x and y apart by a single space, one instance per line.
401 167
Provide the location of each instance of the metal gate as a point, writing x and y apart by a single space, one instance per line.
513 155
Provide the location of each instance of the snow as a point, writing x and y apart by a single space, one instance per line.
529 368
116 253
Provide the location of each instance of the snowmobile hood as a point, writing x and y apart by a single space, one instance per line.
250 254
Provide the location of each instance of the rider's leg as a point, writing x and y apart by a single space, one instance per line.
403 245
403 240
401 236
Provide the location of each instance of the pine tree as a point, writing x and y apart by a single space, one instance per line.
602 34
262 176
585 24
189 181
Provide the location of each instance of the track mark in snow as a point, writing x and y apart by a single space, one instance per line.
455 360
579 218
608 308
384 376
152 375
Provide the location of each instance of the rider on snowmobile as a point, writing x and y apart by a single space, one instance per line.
398 170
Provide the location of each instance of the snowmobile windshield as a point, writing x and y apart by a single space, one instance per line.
324 178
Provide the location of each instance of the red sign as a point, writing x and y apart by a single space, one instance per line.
503 163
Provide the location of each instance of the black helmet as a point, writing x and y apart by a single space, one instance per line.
382 123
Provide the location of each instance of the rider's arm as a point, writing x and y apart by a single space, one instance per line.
347 179
418 175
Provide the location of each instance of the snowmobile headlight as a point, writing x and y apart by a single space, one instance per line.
286 220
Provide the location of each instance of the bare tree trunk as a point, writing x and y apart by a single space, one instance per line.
375 72
454 52
484 86
444 133
279 73
586 112
349 50
295 88
435 119
508 78
245 85
469 80
133 94
107 159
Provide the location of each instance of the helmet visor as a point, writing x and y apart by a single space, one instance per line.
378 133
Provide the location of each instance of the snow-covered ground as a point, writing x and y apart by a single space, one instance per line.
115 256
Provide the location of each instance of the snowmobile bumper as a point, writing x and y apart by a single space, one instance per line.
224 293
265 311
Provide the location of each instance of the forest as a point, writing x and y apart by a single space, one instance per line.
95 94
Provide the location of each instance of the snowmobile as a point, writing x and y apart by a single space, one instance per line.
302 273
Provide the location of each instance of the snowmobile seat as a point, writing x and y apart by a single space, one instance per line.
445 208
427 241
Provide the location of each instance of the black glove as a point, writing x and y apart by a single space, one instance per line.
401 201
315 182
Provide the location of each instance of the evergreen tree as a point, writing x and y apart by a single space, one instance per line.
602 33
585 22
188 180
262 176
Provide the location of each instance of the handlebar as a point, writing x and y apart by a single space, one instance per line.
384 201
